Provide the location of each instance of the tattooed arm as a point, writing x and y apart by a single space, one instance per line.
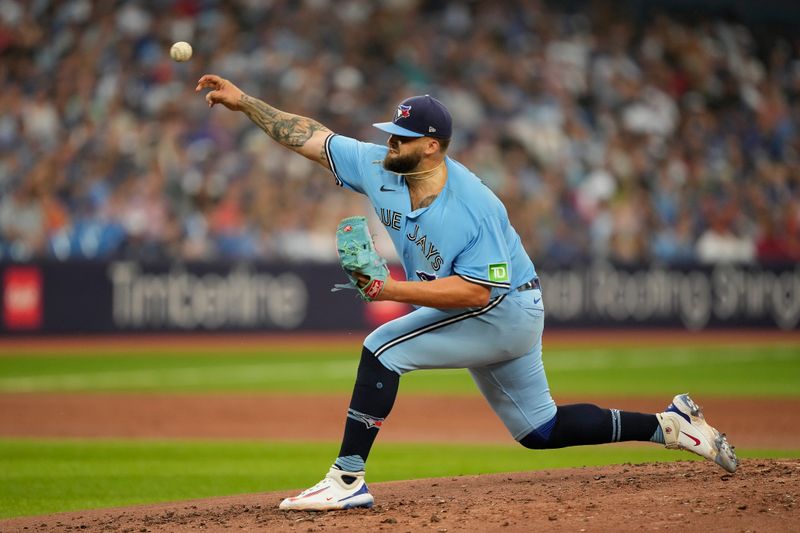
300 134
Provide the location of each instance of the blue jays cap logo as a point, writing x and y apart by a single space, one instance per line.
403 111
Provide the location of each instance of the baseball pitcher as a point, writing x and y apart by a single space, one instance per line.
478 301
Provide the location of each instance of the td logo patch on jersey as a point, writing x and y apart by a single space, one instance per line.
498 272
403 111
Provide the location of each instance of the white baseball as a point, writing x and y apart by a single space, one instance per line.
181 51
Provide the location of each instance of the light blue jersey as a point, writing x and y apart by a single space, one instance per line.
465 231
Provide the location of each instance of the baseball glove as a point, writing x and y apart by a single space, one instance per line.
357 255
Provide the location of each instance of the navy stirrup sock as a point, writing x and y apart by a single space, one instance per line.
373 397
583 423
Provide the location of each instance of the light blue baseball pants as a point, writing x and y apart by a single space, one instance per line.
500 344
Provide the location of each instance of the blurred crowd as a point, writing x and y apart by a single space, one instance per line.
667 140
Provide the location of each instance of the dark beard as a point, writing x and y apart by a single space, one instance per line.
402 164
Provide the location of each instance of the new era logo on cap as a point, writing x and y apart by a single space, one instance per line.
420 116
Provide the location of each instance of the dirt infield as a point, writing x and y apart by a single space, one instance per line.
262 416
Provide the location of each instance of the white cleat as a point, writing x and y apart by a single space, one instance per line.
332 493
685 428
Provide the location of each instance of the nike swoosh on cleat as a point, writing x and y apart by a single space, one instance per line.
384 188
695 439
311 493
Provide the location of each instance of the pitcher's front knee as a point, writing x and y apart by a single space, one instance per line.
375 388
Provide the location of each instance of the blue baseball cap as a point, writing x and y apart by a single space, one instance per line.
420 116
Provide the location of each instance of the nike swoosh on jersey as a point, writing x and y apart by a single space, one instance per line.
384 188
537 300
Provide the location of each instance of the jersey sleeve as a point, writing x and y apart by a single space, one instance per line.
486 258
347 158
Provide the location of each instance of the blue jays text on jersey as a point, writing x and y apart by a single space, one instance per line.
428 249
464 232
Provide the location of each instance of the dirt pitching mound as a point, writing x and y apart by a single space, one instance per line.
762 496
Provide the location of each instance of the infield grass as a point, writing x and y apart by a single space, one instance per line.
42 476
738 370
